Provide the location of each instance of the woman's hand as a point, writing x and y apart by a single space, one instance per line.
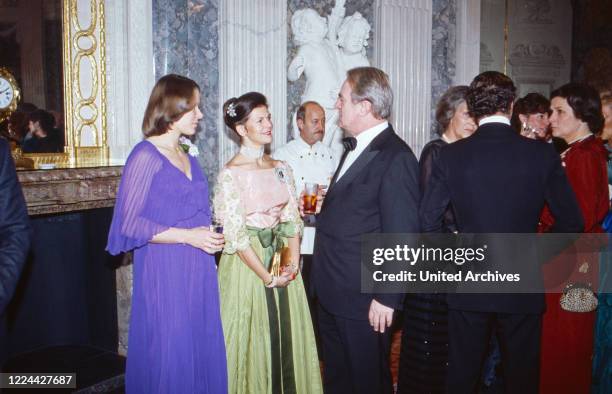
293 269
206 240
284 279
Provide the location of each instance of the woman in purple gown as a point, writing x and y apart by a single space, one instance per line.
162 212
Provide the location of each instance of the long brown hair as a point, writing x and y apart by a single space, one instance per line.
172 97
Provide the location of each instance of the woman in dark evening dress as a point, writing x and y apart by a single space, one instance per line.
162 213
424 350
567 337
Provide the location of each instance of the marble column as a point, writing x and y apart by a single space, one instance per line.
129 55
252 57
443 58
185 42
402 48
468 41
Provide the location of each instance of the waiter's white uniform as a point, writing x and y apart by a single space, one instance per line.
315 164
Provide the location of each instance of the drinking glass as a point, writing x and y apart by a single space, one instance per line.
310 198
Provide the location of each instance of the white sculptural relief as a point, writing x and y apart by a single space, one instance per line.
326 50
353 39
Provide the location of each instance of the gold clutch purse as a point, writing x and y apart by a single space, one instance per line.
280 261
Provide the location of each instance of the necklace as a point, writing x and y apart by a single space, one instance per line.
446 139
253 153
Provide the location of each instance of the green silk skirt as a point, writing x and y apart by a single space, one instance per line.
269 338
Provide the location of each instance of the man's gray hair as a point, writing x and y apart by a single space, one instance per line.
372 84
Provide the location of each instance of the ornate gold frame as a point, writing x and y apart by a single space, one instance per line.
5 73
84 45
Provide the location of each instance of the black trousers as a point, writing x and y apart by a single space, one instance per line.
306 269
355 358
519 341
312 302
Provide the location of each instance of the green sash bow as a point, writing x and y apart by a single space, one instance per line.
275 237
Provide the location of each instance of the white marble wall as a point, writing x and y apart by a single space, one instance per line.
402 48
252 57
129 72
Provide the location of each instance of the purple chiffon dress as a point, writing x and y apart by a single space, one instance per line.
175 338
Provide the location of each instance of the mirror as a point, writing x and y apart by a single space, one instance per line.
54 52
529 41
31 51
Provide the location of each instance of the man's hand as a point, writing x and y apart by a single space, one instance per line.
380 316
321 192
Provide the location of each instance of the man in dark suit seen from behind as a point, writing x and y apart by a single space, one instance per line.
14 236
374 190
497 182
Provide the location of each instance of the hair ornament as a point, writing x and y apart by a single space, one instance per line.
231 110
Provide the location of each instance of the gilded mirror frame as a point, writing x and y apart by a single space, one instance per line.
84 60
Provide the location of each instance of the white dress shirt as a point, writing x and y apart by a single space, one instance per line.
363 140
313 164
494 119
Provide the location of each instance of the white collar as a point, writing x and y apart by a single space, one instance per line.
299 142
584 137
494 119
365 137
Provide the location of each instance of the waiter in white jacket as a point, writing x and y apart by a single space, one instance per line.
312 162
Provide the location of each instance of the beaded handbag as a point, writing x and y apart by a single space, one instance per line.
578 297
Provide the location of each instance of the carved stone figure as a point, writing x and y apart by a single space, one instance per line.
326 50
353 39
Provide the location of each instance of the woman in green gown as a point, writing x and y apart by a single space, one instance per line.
266 321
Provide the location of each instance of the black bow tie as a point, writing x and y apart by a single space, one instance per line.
349 143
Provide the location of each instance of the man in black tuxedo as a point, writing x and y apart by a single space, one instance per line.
497 182
14 235
374 190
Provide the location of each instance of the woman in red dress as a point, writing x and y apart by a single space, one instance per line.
567 337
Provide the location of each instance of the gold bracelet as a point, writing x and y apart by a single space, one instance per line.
270 282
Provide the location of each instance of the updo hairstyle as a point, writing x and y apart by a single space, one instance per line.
236 111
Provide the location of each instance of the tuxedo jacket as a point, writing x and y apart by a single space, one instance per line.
378 193
14 226
14 237
498 182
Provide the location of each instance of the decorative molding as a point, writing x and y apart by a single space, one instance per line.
402 48
536 54
85 79
536 67
252 57
73 189
536 12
